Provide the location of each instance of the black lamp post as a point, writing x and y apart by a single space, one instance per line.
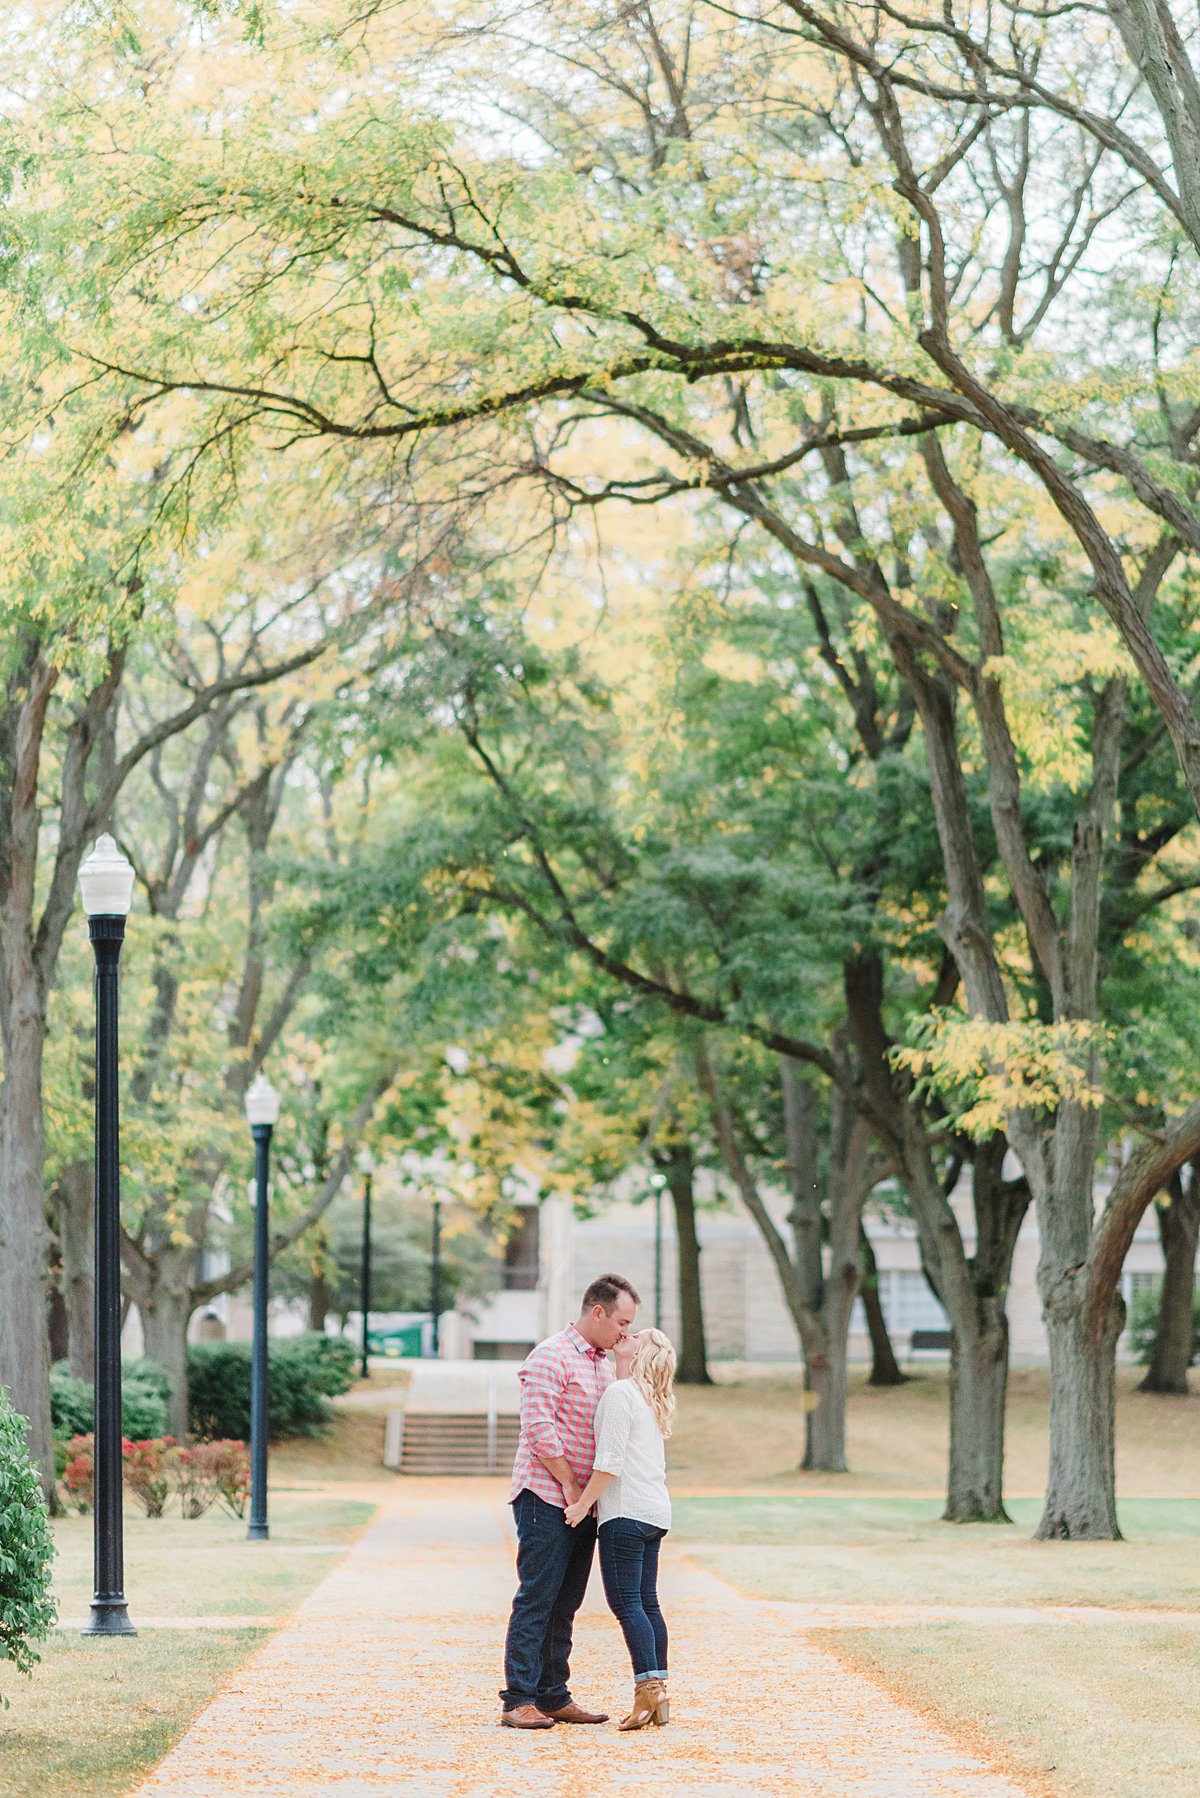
658 1181
262 1111
365 1289
106 882
435 1277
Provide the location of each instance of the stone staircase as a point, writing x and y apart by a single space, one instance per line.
451 1442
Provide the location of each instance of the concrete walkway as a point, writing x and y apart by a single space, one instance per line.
464 1386
385 1682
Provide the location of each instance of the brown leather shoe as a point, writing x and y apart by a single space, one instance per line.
573 1713
526 1716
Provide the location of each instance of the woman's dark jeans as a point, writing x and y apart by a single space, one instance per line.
629 1568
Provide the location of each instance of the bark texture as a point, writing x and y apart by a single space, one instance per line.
1179 1231
318 1302
75 1200
1081 1498
885 1369
57 1325
680 1170
820 1304
165 1304
978 1390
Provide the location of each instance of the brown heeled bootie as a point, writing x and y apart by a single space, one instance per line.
650 1705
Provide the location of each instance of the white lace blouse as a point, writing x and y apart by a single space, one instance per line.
629 1444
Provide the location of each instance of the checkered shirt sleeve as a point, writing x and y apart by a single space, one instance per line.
561 1384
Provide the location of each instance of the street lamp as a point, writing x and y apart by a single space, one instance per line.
435 1276
106 884
262 1111
365 1285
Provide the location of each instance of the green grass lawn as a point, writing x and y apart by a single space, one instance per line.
1073 1708
1073 1711
893 1551
96 1714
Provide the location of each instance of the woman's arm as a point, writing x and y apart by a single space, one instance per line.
612 1443
578 1511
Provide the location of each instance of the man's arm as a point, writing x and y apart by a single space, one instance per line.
578 1510
556 1465
541 1394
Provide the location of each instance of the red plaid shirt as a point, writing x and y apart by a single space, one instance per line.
561 1383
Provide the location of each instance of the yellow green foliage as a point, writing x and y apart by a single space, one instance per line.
985 1071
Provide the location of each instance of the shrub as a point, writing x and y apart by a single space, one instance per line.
26 1548
302 1373
70 1403
79 1473
195 1474
144 1372
145 1391
226 1465
1143 1322
147 1472
143 1411
333 1360
200 1473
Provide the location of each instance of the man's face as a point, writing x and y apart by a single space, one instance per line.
608 1327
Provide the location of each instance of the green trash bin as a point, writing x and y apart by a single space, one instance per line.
396 1345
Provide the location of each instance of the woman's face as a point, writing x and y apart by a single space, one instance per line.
624 1350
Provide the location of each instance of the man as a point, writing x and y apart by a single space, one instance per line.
561 1383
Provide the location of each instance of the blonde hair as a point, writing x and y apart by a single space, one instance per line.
652 1371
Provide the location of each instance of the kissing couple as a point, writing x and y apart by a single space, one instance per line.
590 1465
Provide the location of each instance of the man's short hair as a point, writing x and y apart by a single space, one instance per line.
605 1290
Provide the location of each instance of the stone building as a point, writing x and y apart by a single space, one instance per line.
554 1254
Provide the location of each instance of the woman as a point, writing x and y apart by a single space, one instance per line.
629 1489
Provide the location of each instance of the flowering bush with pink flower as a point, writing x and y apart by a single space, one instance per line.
200 1474
148 1472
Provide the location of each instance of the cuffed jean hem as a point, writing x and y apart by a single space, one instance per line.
654 1673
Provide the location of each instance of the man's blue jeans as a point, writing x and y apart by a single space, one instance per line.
629 1567
553 1565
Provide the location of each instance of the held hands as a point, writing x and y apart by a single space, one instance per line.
576 1510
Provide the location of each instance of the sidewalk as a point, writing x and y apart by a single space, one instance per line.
385 1683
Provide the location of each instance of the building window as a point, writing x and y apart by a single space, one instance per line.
521 1253
1134 1283
908 1304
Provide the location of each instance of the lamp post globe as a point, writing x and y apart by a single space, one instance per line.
262 1114
106 886
262 1103
106 881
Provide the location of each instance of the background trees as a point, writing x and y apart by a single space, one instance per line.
706 506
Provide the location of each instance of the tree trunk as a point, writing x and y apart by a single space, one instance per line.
75 1202
825 1420
1081 1501
166 1306
1179 1229
24 1238
692 1369
827 1371
885 1369
57 1325
822 1320
318 1302
978 1388
849 1183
